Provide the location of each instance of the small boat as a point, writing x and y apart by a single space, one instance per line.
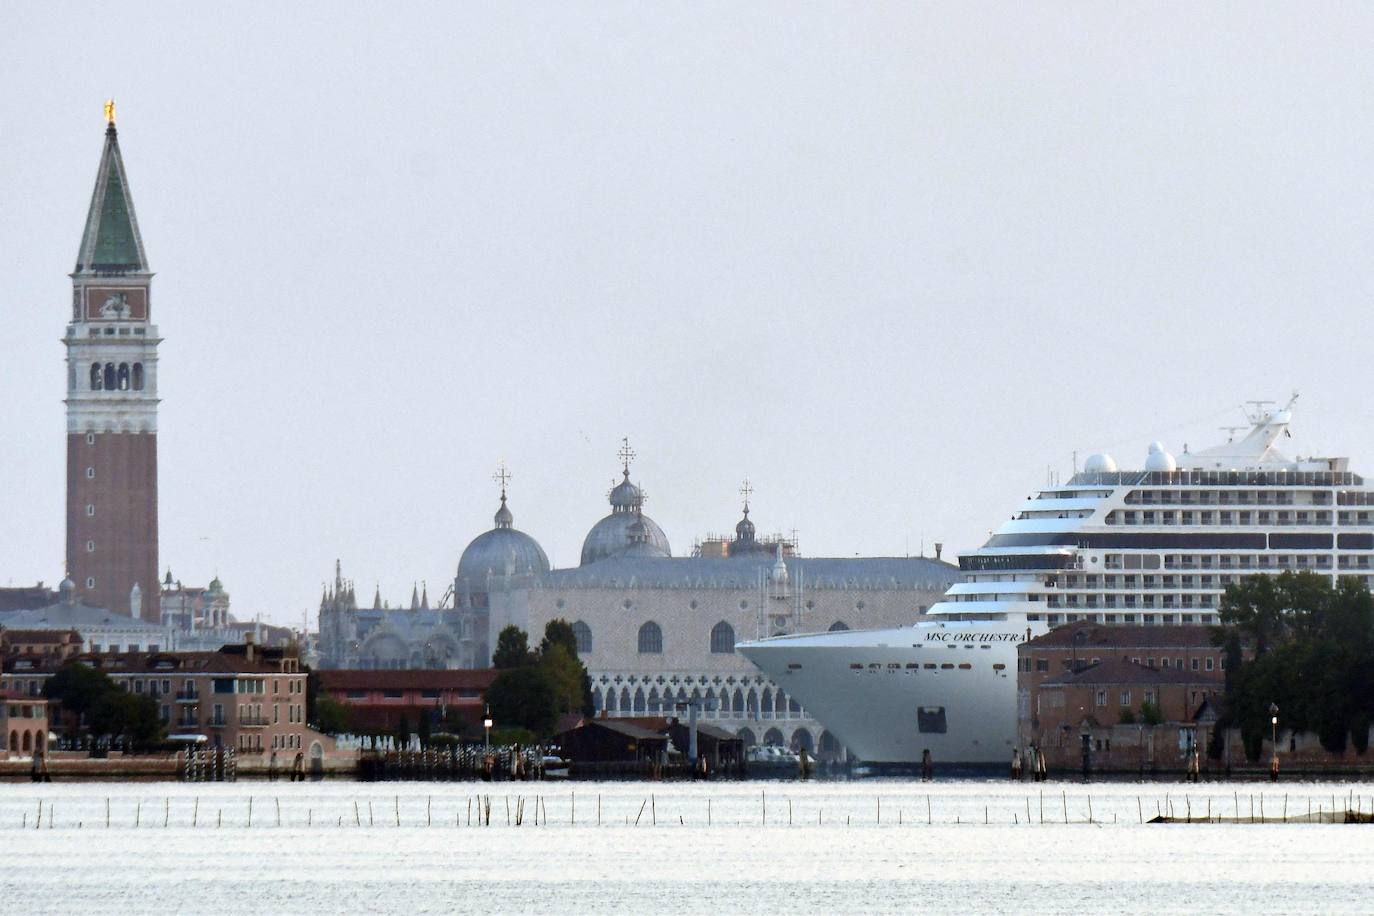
772 760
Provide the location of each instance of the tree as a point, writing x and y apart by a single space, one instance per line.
130 716
78 687
1313 647
558 655
331 716
512 648
558 632
523 697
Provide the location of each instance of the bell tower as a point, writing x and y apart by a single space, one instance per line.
112 404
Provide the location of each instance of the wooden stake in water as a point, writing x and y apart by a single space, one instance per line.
928 819
250 811
357 818
1064 797
107 810
653 810
195 812
1139 810
429 800
138 812
166 811
278 801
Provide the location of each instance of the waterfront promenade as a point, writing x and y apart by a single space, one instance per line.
726 847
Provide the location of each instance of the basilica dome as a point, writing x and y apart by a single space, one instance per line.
627 531
502 551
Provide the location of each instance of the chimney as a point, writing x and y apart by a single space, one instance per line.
249 640
939 548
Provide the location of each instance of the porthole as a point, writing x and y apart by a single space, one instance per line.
965 666
947 665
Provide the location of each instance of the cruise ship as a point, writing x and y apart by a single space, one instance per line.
1148 547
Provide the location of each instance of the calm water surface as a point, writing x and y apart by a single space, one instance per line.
769 847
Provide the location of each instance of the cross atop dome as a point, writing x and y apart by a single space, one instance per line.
626 455
502 477
746 491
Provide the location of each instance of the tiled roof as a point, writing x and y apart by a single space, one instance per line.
620 726
873 573
1120 671
414 678
40 636
267 661
1097 635
74 617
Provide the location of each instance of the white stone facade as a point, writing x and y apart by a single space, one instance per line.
615 604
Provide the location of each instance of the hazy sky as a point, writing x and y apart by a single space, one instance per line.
892 261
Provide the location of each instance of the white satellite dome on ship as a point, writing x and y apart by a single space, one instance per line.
1100 463
1160 460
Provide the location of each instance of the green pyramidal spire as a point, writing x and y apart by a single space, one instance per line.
111 243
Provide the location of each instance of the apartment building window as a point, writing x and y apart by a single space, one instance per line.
1209 663
276 713
1042 665
1101 699
1125 698
1195 664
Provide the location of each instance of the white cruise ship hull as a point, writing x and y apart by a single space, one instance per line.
890 695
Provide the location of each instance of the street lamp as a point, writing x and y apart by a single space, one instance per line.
486 725
1274 724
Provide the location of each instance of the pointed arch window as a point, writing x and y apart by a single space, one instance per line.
651 639
583 634
722 639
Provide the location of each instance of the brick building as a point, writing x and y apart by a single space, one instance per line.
1088 682
23 725
246 697
63 644
379 699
